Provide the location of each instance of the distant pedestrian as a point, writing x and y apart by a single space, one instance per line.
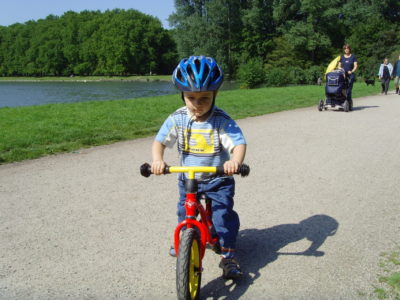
319 81
348 62
385 72
396 75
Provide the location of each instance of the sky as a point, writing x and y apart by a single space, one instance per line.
20 11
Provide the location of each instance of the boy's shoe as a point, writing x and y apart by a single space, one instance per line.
230 268
172 251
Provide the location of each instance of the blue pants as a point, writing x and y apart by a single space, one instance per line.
351 78
221 191
385 85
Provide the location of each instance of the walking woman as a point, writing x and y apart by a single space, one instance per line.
348 62
396 75
385 72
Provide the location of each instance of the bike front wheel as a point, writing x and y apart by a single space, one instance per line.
188 266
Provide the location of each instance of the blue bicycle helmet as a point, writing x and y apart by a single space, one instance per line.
197 74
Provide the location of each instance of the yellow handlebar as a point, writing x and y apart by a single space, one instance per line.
192 170
145 170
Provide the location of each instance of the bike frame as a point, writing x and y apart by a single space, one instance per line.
189 261
194 206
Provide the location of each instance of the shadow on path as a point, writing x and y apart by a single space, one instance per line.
364 107
259 247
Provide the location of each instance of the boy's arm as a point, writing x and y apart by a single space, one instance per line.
166 137
158 164
238 153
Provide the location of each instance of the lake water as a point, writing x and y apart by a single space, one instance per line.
14 94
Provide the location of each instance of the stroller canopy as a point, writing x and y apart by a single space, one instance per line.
332 65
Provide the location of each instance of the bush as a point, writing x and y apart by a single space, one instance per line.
277 77
312 74
296 75
251 73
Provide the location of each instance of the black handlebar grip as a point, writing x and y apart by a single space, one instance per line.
145 170
220 170
244 170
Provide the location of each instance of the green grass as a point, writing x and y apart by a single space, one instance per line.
35 131
390 280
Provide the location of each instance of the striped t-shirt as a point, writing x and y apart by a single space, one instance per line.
207 143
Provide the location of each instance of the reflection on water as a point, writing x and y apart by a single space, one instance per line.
35 93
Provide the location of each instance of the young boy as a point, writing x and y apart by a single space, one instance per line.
206 136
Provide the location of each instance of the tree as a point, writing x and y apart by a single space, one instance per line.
258 30
373 42
116 42
374 31
209 28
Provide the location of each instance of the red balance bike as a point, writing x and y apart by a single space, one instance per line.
192 235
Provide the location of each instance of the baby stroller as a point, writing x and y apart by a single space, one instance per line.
335 92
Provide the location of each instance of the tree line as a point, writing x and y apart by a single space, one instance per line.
287 41
116 42
256 41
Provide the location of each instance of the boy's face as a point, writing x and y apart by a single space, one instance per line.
199 103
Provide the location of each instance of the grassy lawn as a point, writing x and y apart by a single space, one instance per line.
390 280
34 131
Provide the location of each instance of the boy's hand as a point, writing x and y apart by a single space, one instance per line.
157 167
231 167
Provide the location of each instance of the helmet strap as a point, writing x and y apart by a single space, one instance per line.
213 103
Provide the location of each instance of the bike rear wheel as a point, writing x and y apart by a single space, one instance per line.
188 266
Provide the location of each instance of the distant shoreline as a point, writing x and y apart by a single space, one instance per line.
88 79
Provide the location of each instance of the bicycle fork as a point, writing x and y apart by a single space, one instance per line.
193 207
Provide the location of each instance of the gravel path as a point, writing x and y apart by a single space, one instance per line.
321 204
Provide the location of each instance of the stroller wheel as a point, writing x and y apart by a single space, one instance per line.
321 105
346 106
